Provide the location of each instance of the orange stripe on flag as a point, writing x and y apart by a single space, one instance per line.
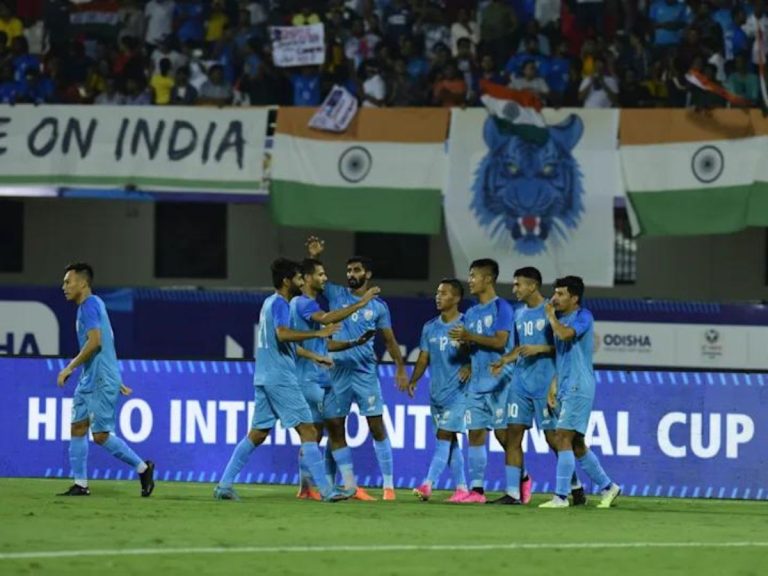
412 125
522 97
673 125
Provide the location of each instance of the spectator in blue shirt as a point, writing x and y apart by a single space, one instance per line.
556 72
35 88
189 16
515 64
306 87
23 61
668 18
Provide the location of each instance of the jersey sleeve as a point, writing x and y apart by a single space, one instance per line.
424 342
383 320
90 315
505 318
333 293
280 314
582 322
306 307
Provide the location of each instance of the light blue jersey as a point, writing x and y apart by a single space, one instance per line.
302 308
445 360
102 367
575 373
275 360
532 375
374 316
487 319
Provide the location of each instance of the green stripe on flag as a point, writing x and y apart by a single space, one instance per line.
697 211
401 210
757 212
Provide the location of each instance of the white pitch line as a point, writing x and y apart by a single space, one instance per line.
385 548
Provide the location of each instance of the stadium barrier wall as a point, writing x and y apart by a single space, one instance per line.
154 323
670 434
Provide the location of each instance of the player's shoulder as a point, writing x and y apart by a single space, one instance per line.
430 324
585 314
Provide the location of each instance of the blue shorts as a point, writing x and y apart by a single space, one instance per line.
314 394
279 401
98 406
524 409
349 385
487 411
450 417
574 412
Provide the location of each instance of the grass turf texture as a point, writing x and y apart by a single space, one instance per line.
652 536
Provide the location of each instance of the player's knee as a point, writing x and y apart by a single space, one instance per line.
376 425
79 428
447 436
257 437
100 437
501 436
515 435
477 437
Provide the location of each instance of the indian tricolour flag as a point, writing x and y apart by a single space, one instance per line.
689 172
383 174
95 18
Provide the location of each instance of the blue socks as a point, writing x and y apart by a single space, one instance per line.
120 450
591 465
343 457
456 463
305 478
330 465
439 461
566 464
478 459
236 462
383 451
513 481
78 459
313 462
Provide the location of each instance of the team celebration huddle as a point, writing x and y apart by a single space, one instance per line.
492 367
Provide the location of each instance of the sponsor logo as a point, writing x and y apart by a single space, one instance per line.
488 320
712 344
540 323
28 328
641 343
368 315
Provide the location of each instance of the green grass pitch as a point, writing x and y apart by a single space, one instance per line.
182 530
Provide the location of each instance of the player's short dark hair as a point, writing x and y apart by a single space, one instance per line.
455 284
529 272
364 261
309 265
488 263
283 268
82 269
574 285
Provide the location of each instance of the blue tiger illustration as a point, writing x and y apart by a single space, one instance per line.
529 185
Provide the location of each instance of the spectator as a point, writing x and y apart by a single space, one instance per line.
216 22
374 89
709 31
588 53
556 72
266 85
668 18
257 12
656 86
9 24
735 39
131 19
162 83
467 66
245 30
183 93
704 99
158 16
35 34
600 90
742 82
306 87
464 28
498 30
165 51
404 89
136 93
215 90
35 88
674 77
306 17
439 61
432 28
633 94
450 90
418 66
397 21
515 64
547 14
758 19
489 71
110 96
6 55
22 61
9 88
130 61
635 55
56 22
359 46
188 15
530 80
533 30
690 49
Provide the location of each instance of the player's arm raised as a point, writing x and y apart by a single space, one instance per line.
338 346
285 334
342 313
561 331
418 371
91 347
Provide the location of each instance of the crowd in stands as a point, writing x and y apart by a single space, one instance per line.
591 53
